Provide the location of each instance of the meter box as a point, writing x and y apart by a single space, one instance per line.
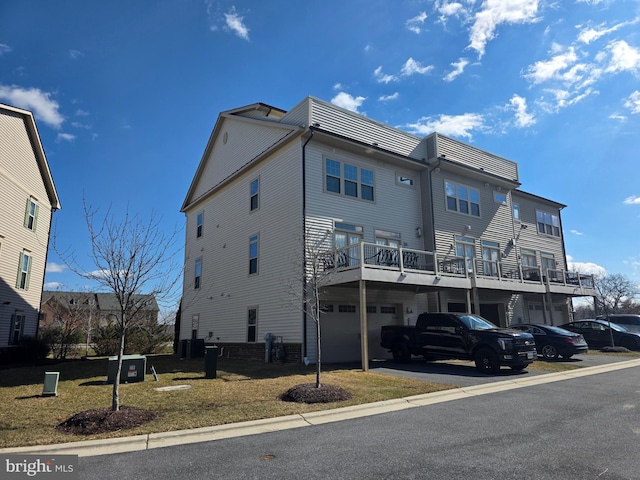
133 368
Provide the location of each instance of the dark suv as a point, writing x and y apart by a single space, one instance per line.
627 320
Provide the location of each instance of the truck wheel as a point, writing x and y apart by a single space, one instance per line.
549 352
486 361
401 353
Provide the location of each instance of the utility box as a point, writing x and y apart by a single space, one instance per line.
133 368
50 388
211 362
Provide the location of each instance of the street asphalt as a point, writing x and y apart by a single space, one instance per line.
461 374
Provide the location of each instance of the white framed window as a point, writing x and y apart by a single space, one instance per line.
462 199
200 224
24 271
490 258
197 273
516 211
252 324
31 214
349 180
528 257
548 223
548 261
466 249
385 237
344 236
405 180
500 197
255 194
253 254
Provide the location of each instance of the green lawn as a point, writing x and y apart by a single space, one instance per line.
242 391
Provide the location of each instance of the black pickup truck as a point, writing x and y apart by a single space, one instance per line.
460 336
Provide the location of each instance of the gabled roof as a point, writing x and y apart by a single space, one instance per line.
101 301
38 151
255 112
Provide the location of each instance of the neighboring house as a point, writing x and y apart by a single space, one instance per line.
28 198
413 224
89 310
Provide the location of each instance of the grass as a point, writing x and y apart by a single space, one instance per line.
242 391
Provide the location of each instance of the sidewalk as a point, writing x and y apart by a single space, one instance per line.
492 384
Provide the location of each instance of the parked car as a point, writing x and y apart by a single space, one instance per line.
627 320
460 336
553 342
597 333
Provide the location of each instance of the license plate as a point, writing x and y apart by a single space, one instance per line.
531 355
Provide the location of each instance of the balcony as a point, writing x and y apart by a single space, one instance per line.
369 261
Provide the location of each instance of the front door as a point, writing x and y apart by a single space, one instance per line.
351 255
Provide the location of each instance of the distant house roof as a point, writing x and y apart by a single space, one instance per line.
101 301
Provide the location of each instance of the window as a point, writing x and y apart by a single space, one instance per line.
252 324
200 222
195 325
347 308
500 197
253 255
404 180
384 309
462 199
255 193
548 261
24 271
391 239
198 273
528 257
371 309
465 248
491 258
548 223
349 180
349 235
31 214
516 211
326 308
17 326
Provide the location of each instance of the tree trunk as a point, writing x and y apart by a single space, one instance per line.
115 401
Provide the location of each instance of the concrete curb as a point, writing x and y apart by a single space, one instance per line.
206 434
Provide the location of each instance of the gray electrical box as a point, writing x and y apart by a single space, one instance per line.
50 388
133 368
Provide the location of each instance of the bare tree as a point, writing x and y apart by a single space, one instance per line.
613 291
133 259
70 312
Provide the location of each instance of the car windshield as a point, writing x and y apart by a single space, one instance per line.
473 322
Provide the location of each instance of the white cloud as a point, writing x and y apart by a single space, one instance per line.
633 102
623 57
81 125
66 137
53 285
53 267
75 54
411 67
415 24
458 68
451 9
588 268
590 34
496 12
576 232
347 101
383 77
613 116
452 125
386 98
632 200
35 100
519 105
236 25
4 48
543 71
81 113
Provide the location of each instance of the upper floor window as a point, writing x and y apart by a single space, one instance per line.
516 211
404 180
462 199
548 223
253 254
200 225
500 197
198 273
255 194
31 214
349 180
24 271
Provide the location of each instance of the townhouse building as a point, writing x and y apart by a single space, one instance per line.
28 197
404 223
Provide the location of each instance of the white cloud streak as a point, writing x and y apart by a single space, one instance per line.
35 100
347 101
632 200
458 68
415 24
452 125
4 48
519 105
53 267
633 102
235 23
412 67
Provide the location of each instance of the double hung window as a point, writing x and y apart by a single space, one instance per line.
255 194
24 271
198 273
253 254
349 180
200 224
31 214
462 199
252 324
548 223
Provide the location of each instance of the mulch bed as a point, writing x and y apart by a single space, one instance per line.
308 393
102 420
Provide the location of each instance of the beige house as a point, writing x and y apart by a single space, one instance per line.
28 198
407 224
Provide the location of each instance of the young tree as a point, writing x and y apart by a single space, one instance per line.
132 256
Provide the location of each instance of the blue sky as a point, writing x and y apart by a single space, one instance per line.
125 95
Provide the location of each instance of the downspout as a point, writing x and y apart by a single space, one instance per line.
433 229
304 244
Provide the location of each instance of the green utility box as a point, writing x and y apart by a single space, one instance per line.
133 368
211 362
